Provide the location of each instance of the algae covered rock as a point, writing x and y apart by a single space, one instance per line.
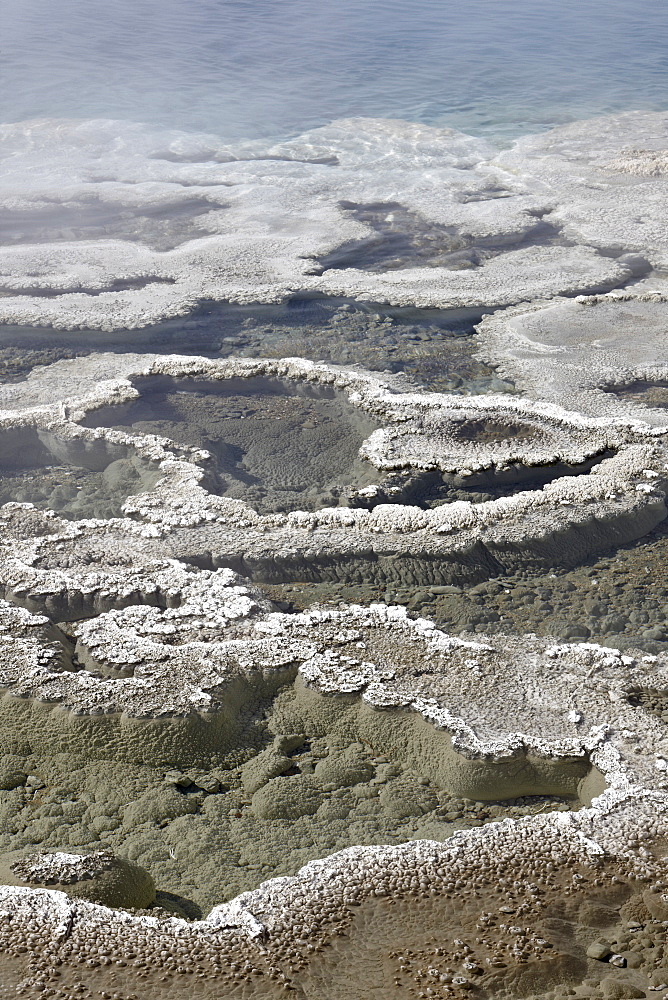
618 989
11 777
270 763
401 799
101 877
343 768
333 809
657 904
288 798
158 804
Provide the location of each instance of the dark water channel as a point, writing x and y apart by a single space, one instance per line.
433 348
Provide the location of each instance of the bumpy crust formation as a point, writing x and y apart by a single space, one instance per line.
617 497
136 630
188 218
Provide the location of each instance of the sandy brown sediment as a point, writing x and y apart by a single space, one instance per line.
348 676
538 896
186 667
166 664
100 877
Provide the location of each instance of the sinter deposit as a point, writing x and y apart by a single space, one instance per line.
316 683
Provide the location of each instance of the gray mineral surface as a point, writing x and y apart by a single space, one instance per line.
333 565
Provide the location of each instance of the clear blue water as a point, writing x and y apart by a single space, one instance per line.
249 68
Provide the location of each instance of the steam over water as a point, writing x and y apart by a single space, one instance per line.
251 68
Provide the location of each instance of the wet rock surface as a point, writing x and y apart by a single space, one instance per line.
651 394
604 353
527 933
620 599
416 433
435 350
253 223
74 492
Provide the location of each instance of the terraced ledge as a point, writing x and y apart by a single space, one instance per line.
588 350
142 665
494 808
511 907
496 442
